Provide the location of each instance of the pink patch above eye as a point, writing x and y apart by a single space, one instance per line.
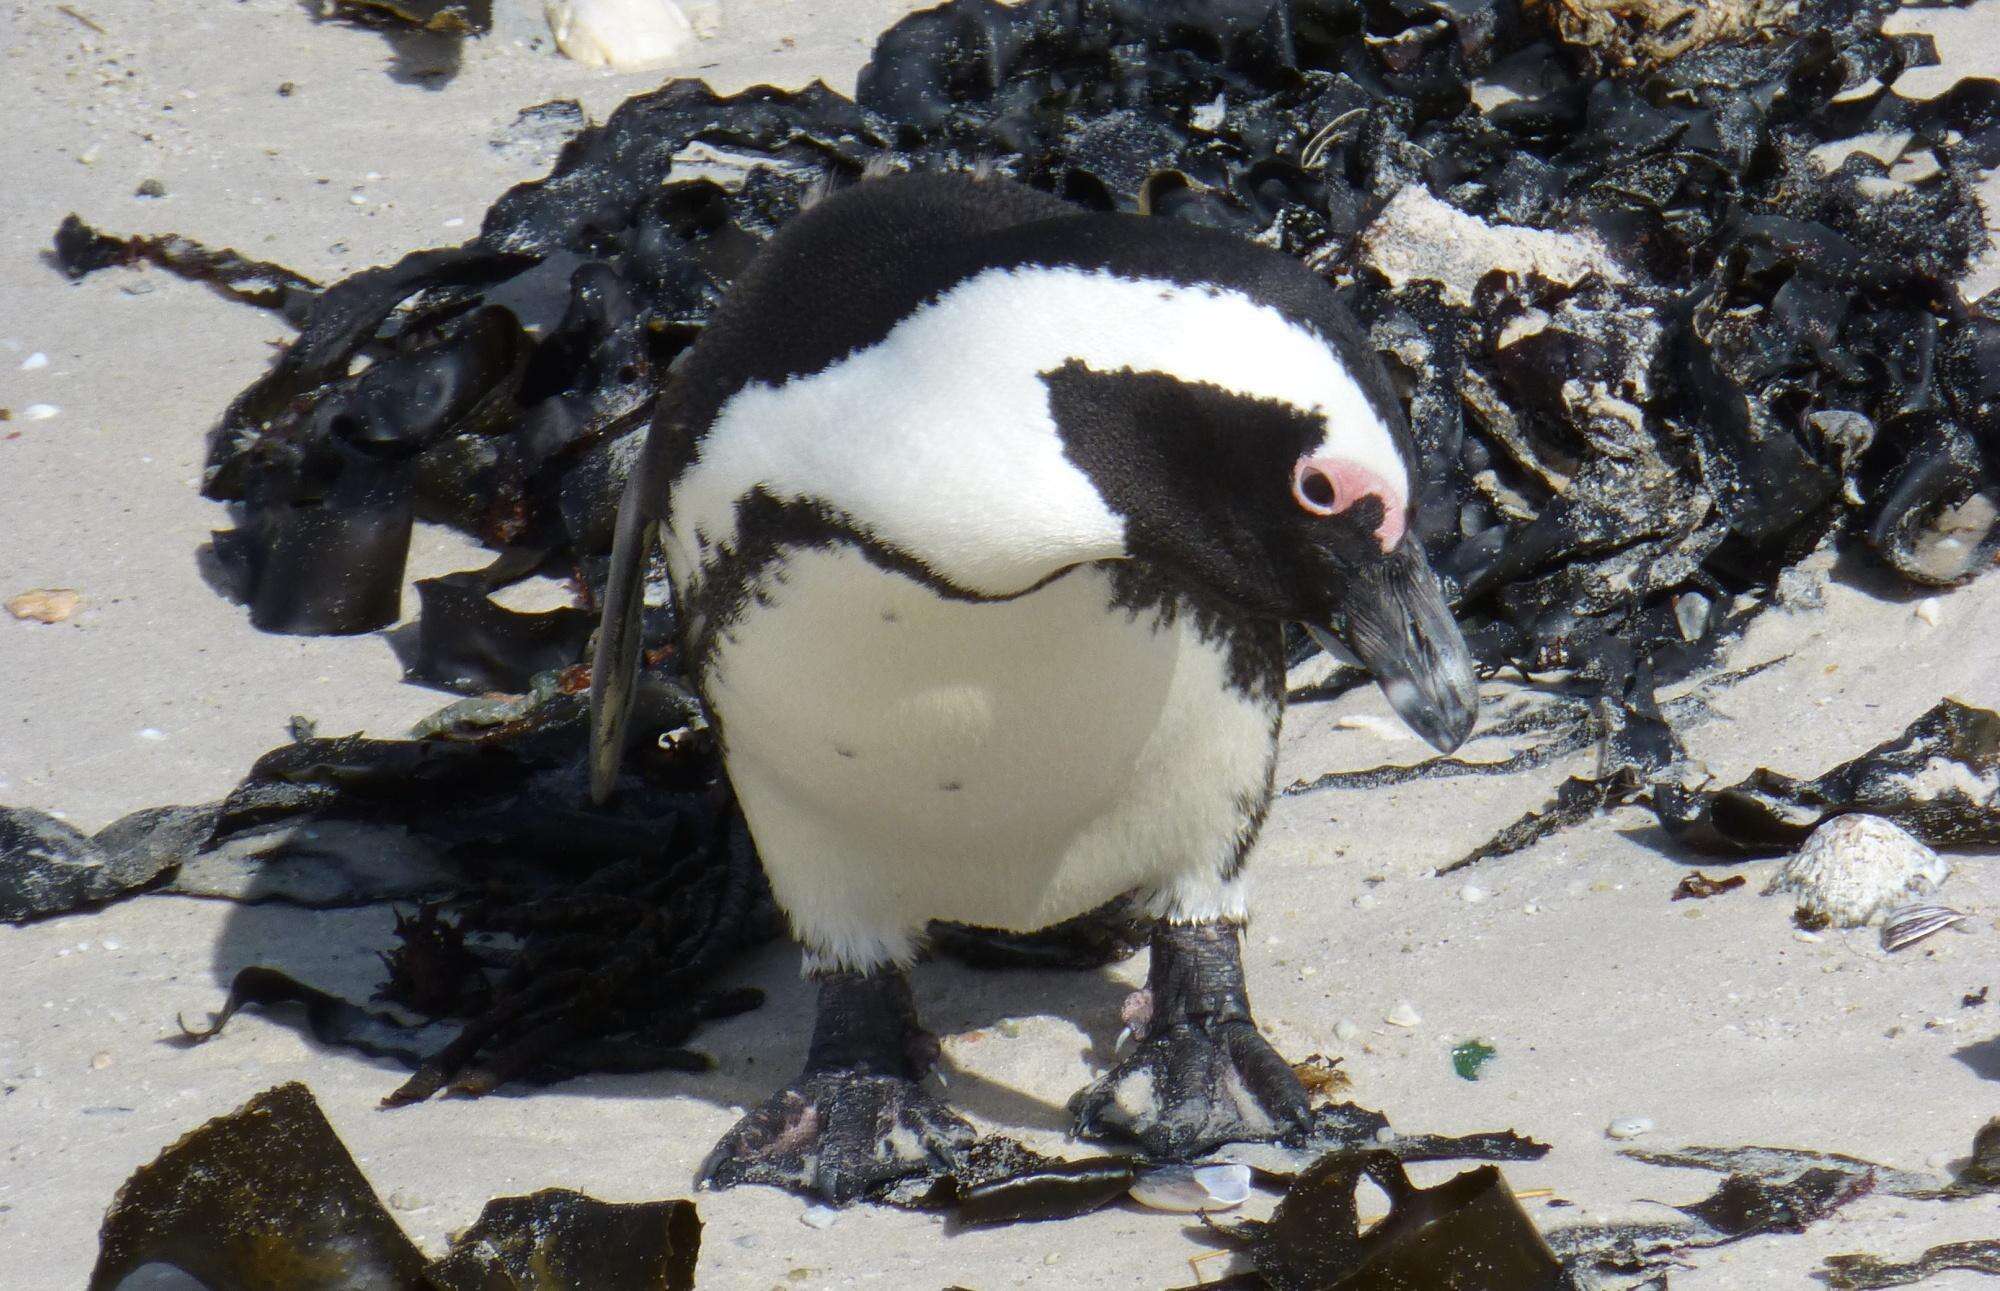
1328 486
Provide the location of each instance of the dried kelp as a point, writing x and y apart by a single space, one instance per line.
998 1180
1866 1272
1743 1205
267 1198
1468 1232
1699 887
560 1238
1939 779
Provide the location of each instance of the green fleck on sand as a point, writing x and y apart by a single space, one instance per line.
1468 1058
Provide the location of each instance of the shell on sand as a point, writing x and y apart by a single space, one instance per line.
1855 868
624 35
1912 923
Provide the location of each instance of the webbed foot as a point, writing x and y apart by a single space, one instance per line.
838 1135
857 1117
1202 1074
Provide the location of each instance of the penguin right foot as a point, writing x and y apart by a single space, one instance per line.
857 1118
838 1135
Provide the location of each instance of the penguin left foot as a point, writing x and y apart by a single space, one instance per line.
838 1135
857 1117
1202 1075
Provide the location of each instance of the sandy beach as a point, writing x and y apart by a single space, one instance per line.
291 140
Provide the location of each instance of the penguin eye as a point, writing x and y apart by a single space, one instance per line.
1314 489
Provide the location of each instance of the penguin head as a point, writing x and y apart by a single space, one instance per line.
1249 439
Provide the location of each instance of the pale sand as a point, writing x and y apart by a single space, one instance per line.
1709 1018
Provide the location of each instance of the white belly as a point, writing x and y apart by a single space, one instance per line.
903 757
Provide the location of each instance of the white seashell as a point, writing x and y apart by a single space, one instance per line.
1403 1015
820 1217
33 361
1912 923
1629 1127
1930 610
1187 1189
39 412
1857 867
624 35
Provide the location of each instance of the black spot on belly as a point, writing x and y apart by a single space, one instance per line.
888 616
950 786
846 753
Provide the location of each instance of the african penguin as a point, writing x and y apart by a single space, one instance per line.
984 516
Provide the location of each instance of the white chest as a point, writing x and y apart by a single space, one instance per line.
903 756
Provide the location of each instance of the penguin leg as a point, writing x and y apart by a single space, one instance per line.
1202 1074
857 1116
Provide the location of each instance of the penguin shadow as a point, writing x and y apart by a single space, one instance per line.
759 1052
755 1054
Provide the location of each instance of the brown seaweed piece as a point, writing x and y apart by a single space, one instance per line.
265 1198
557 1238
1868 1272
82 250
1940 779
1699 887
1466 1234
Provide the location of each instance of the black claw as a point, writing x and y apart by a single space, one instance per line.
1202 1075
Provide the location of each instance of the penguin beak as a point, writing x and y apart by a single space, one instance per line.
1399 628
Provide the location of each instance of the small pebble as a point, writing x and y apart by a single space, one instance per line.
33 361
1472 894
152 733
150 188
1052 1259
39 412
100 1060
111 943
1800 934
405 1200
455 222
1385 1135
358 199
1930 610
1403 1015
1628 1127
818 1216
1366 901
1344 1030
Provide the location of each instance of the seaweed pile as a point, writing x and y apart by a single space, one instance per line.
1663 331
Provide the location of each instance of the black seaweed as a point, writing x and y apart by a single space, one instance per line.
1466 1233
1866 1272
267 1198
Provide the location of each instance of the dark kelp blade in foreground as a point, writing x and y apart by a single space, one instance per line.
267 1198
263 1199
1466 1234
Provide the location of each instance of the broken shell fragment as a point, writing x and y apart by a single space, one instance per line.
1913 923
1856 867
1629 1127
45 604
623 35
1187 1189
1403 1015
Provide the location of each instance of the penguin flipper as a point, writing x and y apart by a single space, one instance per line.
614 672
